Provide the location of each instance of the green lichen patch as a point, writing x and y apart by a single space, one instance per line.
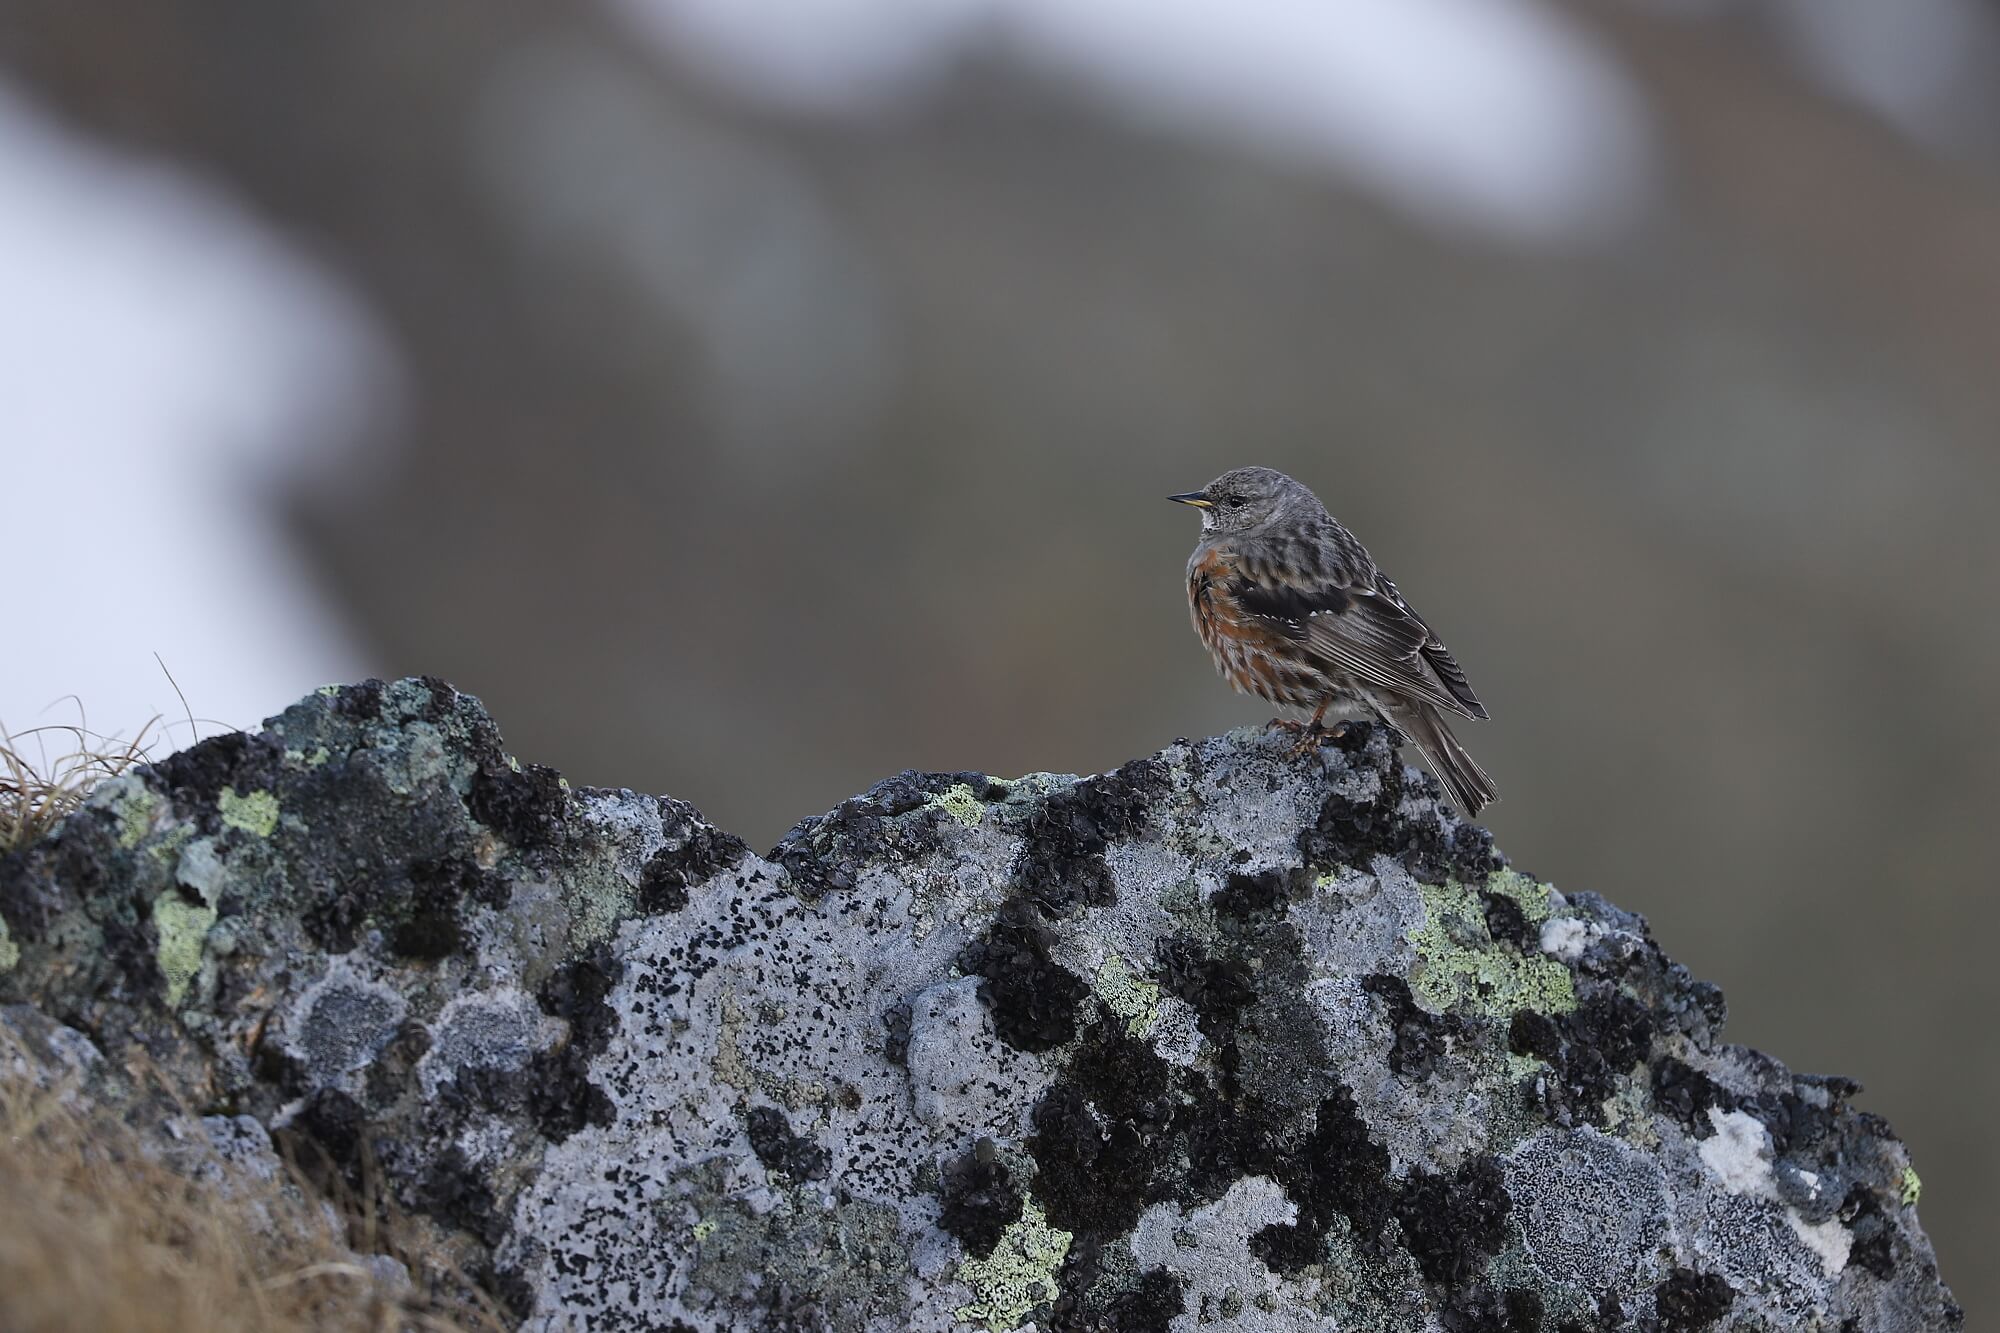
1460 967
1127 994
1019 1275
10 952
133 805
961 803
255 813
182 928
599 897
1909 1190
1530 895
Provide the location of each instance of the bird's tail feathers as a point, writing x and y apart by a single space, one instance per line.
1470 788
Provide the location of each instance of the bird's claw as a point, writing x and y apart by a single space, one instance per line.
1310 736
1307 736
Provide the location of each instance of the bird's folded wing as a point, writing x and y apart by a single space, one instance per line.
1370 634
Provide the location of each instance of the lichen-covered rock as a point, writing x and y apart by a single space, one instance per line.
1222 1039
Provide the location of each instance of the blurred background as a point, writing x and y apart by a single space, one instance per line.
749 400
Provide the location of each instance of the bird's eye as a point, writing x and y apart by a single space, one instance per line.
1234 502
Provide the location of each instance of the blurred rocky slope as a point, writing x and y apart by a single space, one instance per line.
1224 1036
748 457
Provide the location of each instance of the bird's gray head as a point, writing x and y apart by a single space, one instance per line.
1249 498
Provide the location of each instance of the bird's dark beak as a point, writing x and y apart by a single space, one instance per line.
1199 499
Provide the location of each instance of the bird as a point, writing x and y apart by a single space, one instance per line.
1293 608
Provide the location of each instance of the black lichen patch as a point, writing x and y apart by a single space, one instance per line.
1589 1049
515 1294
1686 1094
779 1149
528 808
1270 893
1098 1291
1350 832
1217 988
1033 999
1874 1234
1533 1032
1470 852
1455 1224
1149 1307
485 1089
334 922
328 1131
455 1193
560 1095
1688 1301
1613 1024
360 702
1421 1037
130 947
1797 1126
1285 1247
1484 1309
1342 1171
1061 863
440 700
80 861
194 777
1093 1175
980 1200
1351 735
1101 1135
429 926
695 851
395 857
1507 922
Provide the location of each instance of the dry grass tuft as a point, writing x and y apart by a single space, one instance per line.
97 1234
37 791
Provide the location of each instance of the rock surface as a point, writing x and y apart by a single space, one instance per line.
1222 1039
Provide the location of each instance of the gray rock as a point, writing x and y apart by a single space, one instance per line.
1224 1038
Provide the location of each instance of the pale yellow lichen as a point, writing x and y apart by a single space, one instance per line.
961 803
255 813
1532 895
1911 1187
1019 1275
1459 966
1127 994
129 800
182 929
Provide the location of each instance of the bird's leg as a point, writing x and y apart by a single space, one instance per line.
1311 734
